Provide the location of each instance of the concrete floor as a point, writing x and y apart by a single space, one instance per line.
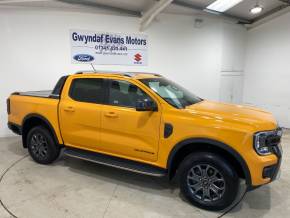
74 188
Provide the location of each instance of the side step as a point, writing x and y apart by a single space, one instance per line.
116 162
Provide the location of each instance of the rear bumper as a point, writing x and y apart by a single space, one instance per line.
15 128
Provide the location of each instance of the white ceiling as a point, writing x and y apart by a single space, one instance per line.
241 10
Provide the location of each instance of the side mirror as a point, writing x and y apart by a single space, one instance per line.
146 105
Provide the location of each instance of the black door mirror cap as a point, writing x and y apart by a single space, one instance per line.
146 106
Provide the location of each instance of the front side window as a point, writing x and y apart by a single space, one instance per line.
125 94
87 90
172 93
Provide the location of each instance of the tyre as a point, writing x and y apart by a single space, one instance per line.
208 181
41 145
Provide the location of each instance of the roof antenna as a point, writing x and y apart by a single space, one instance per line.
93 67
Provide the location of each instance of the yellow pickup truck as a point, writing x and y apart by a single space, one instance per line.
147 124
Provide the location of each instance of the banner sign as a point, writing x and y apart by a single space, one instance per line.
108 48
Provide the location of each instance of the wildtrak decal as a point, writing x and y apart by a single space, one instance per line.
148 152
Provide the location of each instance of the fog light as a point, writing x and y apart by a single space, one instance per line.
268 172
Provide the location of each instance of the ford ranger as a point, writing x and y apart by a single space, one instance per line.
147 124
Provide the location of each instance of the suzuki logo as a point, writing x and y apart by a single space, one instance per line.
138 57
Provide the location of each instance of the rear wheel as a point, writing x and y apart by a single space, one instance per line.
41 145
208 181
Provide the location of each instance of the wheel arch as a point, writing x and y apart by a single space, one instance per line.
185 147
32 120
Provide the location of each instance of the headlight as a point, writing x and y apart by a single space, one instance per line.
264 141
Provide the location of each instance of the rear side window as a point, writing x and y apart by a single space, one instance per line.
87 90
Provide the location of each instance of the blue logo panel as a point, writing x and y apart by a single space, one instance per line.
83 57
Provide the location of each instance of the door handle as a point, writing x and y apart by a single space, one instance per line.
111 114
69 109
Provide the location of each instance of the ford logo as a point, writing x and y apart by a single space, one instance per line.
83 57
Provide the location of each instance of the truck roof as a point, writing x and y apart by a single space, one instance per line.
136 75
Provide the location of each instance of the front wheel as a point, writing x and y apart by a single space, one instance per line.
41 145
208 181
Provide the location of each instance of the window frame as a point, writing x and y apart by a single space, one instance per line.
103 87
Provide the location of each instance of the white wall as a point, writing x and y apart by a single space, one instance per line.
267 68
232 63
35 50
233 49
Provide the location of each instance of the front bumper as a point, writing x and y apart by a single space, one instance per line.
273 171
270 172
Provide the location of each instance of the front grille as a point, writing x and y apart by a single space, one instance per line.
273 140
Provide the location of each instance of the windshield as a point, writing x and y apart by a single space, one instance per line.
172 93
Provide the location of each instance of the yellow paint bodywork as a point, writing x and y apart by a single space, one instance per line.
139 135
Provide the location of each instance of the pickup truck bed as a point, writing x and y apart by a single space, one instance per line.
42 104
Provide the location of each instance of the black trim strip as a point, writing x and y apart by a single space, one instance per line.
218 144
168 130
34 115
15 128
56 92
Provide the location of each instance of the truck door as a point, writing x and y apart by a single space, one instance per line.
80 112
125 131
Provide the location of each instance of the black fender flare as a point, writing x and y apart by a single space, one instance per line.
42 118
211 142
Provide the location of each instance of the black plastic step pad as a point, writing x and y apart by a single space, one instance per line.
115 162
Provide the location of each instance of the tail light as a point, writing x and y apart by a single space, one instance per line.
8 105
